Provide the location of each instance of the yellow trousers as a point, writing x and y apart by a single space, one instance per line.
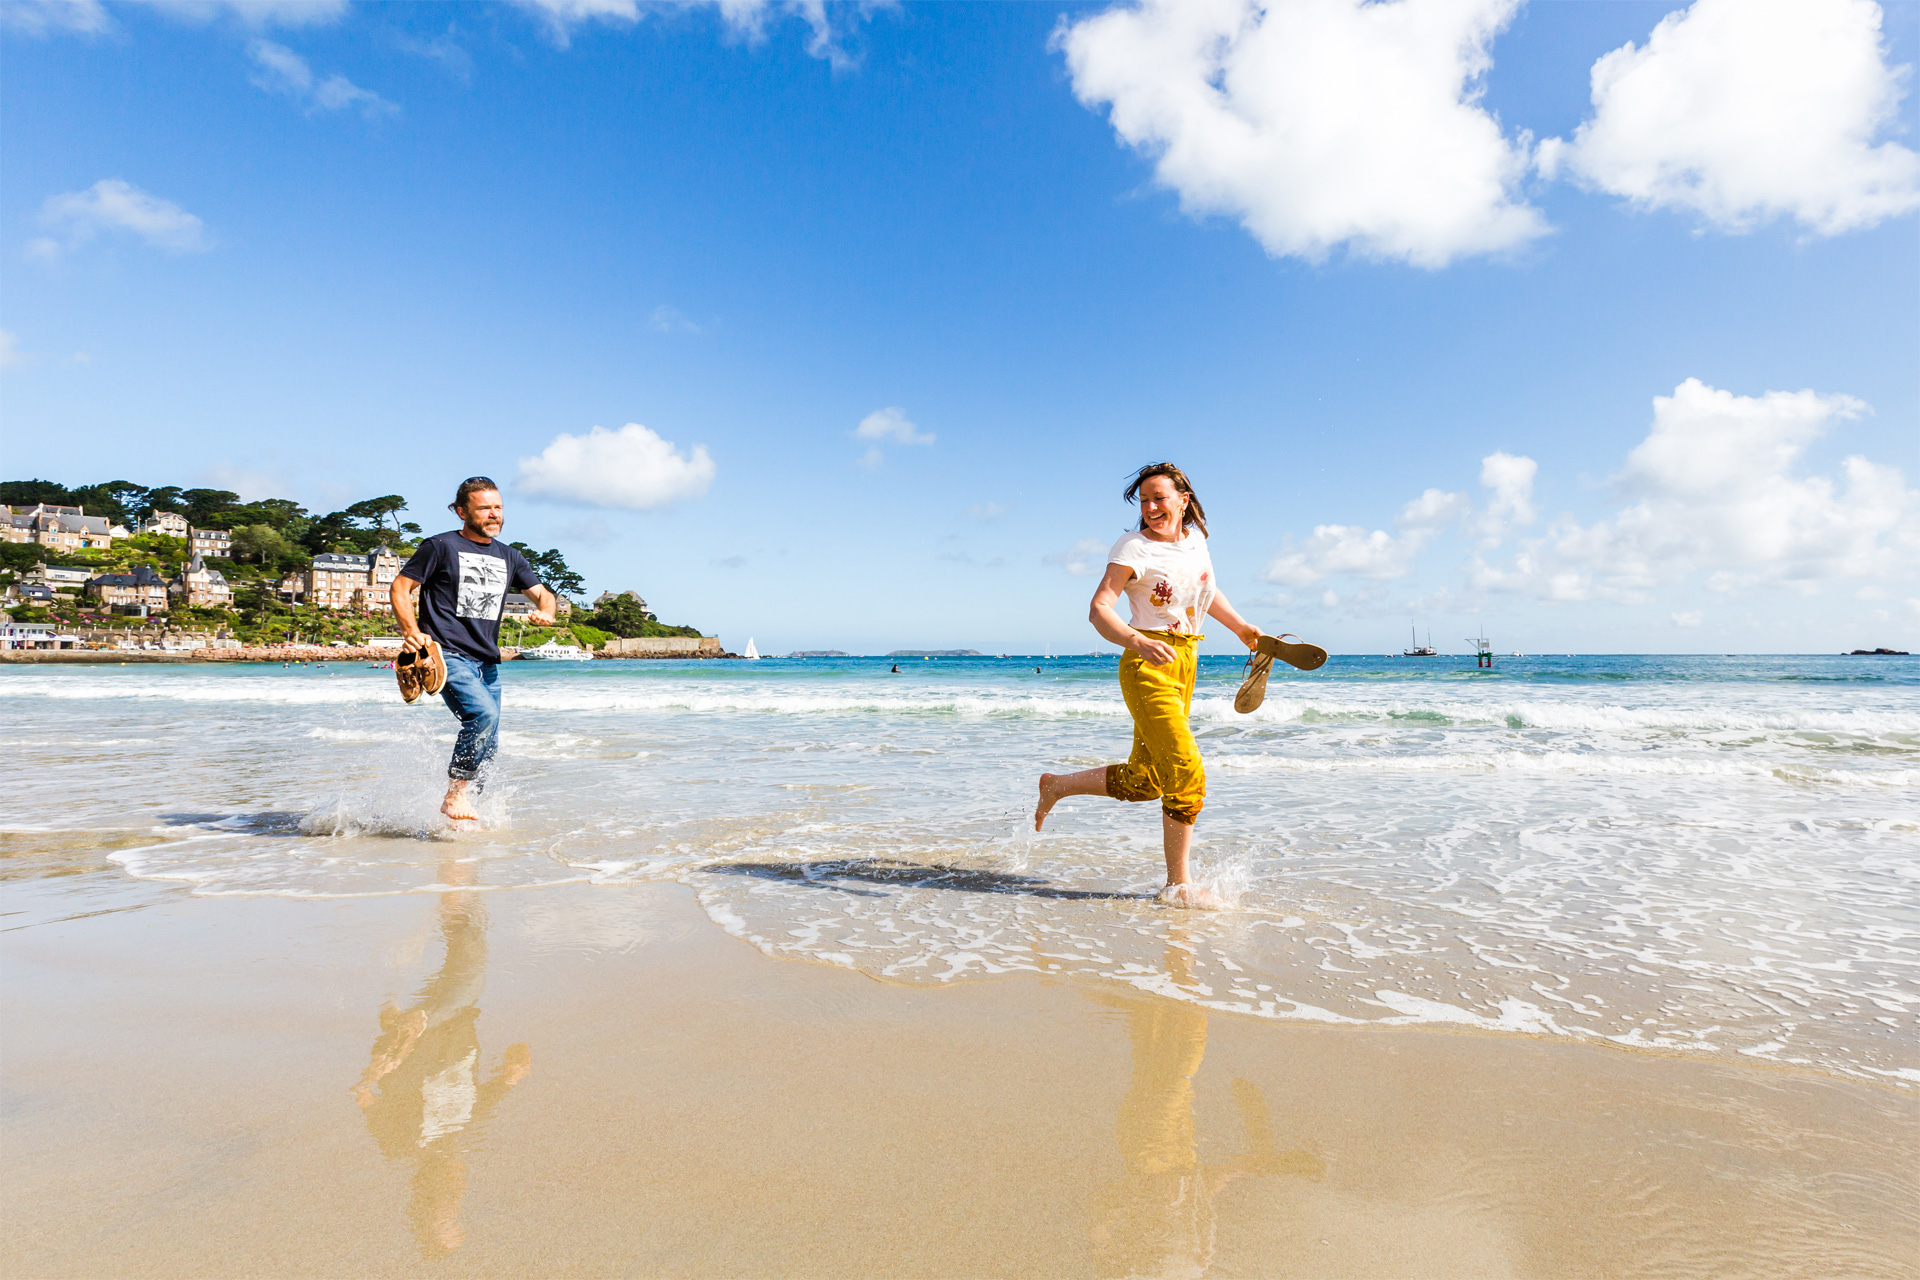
1165 764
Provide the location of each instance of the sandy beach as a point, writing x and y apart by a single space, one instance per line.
584 1080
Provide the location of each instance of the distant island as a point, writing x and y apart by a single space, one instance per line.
819 653
936 653
1869 653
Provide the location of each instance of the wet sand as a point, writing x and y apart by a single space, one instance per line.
597 1081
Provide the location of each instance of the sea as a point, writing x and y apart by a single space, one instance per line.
1711 856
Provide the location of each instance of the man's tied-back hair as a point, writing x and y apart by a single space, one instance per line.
1195 514
471 485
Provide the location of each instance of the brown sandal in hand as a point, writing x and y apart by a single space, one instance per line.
1253 688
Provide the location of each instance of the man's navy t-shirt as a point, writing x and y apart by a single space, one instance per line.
463 589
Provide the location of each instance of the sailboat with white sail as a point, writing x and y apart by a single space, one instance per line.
751 651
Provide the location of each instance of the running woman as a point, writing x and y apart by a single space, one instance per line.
1167 575
454 589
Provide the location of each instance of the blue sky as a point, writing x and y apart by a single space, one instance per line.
350 249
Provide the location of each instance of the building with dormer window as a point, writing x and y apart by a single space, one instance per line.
337 581
210 542
143 588
200 586
66 528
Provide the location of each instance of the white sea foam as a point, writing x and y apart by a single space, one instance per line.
1713 865
1669 710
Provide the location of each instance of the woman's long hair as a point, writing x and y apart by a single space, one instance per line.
1195 514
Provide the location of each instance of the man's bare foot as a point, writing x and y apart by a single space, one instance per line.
1192 895
459 805
1050 793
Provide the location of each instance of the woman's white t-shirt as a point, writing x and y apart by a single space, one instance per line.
1172 586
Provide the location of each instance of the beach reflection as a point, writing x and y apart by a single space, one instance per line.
422 1091
1160 1219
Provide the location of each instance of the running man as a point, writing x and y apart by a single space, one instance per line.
454 589
1167 574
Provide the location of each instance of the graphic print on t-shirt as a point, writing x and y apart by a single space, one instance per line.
483 586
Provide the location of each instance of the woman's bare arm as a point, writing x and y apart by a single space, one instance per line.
1230 618
1108 623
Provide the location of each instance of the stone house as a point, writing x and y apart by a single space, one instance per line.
335 581
58 577
67 528
210 542
201 587
608 597
130 590
33 595
171 523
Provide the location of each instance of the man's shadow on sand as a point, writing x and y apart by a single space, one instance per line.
832 873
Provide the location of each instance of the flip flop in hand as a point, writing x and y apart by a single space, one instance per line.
1253 688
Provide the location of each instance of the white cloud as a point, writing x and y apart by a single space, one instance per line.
1317 123
11 355
1342 548
278 69
631 468
891 424
443 49
1511 479
113 205
1691 618
1434 509
46 17
1355 551
989 511
253 13
746 19
1084 559
1745 110
1713 490
669 319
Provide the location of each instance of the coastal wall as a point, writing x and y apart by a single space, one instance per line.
662 647
355 654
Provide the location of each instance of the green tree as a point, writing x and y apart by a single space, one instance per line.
116 499
25 493
171 498
375 512
261 544
283 515
204 506
553 570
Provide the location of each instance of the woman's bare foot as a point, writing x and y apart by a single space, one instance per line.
1192 895
1050 794
459 805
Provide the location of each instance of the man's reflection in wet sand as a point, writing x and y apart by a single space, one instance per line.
422 1089
1159 1219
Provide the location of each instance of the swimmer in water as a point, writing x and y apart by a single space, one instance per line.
1167 574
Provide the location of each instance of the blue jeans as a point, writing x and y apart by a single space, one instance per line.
472 692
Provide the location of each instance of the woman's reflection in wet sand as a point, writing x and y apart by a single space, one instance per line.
1159 1219
422 1090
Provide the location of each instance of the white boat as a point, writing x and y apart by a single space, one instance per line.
554 651
751 651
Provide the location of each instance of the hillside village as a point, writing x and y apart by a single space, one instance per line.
80 567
